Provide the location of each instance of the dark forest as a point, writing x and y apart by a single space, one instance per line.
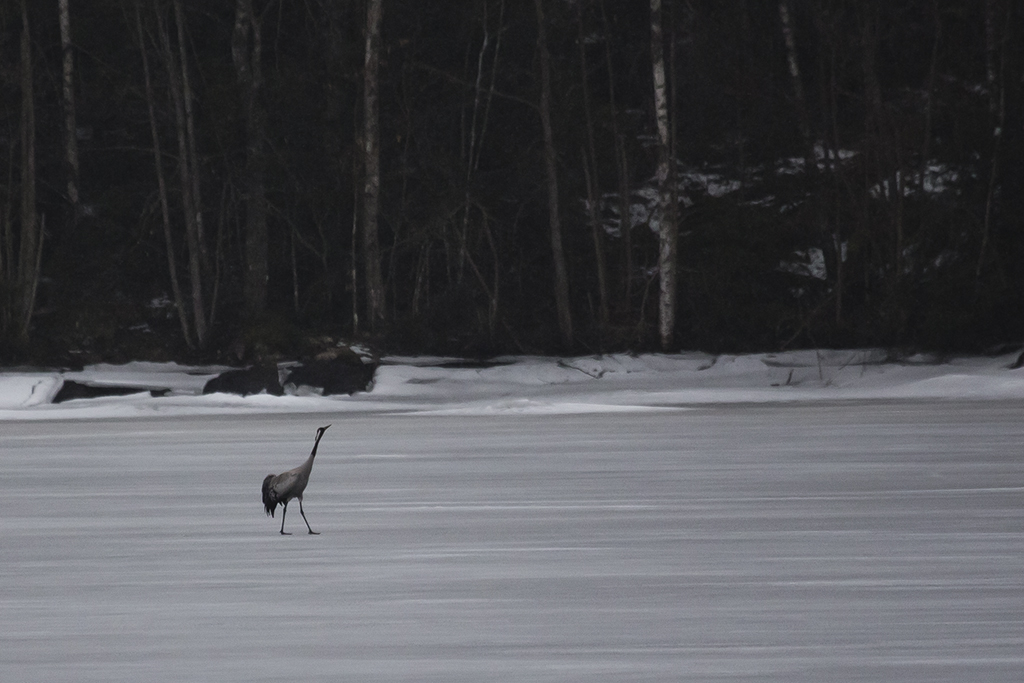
245 179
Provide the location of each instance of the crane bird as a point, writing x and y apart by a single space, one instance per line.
281 488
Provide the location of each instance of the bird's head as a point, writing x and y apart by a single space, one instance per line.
319 433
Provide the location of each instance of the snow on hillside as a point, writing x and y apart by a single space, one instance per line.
585 384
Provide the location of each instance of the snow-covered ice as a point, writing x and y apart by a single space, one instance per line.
816 516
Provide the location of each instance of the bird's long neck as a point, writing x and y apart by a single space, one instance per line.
307 466
316 444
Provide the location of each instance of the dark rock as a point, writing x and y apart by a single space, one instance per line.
71 390
335 376
254 380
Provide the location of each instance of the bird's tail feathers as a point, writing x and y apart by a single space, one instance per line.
269 499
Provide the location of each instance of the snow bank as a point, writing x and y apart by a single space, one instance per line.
537 385
22 390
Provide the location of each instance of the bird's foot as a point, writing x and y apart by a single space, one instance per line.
315 533
286 533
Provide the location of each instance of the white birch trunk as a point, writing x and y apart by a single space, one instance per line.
371 166
70 126
665 216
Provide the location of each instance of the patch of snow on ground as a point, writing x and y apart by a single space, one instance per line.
22 390
597 384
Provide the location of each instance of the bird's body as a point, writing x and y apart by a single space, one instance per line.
281 488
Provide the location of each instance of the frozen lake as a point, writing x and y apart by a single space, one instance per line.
825 541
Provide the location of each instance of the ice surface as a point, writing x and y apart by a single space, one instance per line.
657 536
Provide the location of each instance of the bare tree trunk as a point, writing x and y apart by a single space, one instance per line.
190 130
876 125
371 167
187 171
491 91
8 245
550 163
815 181
7 267
246 51
31 242
70 127
622 166
165 213
492 290
824 25
593 182
478 121
625 219
421 284
997 108
990 55
354 248
673 167
492 310
470 154
810 163
667 229
933 64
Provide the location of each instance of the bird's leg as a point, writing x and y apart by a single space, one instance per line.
301 512
285 512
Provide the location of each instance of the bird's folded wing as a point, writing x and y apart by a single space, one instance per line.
284 482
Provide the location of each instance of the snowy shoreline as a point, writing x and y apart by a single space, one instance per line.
536 385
